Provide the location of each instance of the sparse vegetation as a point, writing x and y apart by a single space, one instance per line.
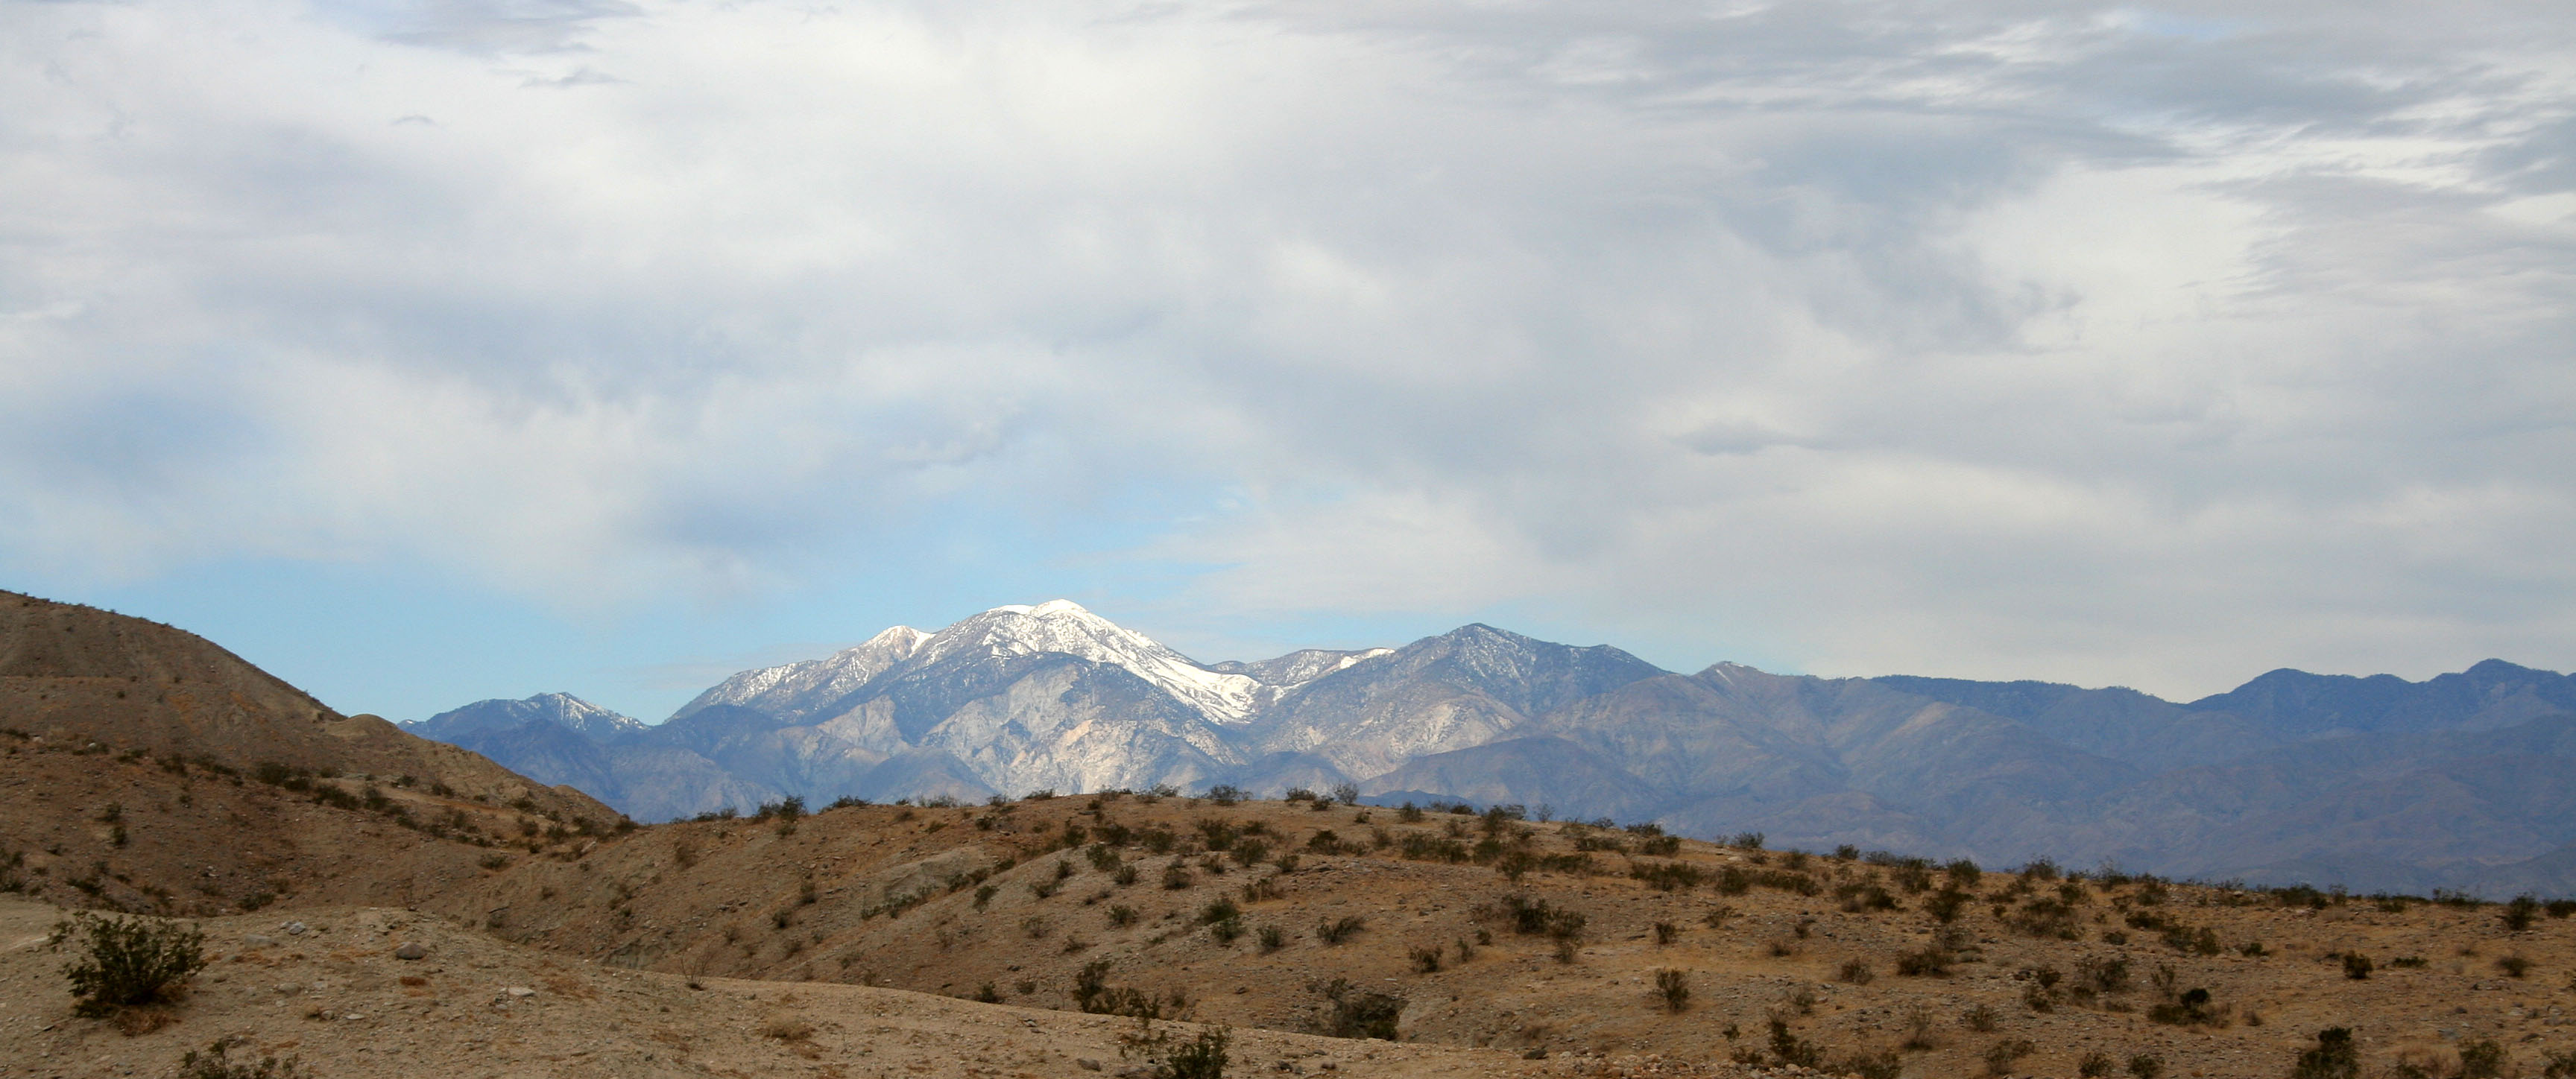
1350 1012
2334 1057
216 1062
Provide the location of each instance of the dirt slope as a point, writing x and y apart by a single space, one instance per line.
72 674
337 997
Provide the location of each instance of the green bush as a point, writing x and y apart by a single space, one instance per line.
129 962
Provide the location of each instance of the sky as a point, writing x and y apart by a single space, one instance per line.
426 351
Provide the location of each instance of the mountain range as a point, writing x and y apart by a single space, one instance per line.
2466 781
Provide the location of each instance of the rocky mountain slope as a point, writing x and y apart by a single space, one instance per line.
2374 783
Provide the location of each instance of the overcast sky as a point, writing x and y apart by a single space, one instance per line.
432 350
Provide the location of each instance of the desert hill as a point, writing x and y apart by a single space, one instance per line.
144 768
1178 896
73 674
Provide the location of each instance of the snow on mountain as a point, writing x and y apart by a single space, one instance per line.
562 709
1063 626
798 690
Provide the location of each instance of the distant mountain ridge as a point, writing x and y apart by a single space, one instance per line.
2466 780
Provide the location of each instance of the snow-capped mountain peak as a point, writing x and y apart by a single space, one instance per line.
794 689
1063 626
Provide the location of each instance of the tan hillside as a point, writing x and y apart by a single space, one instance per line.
77 674
898 896
338 999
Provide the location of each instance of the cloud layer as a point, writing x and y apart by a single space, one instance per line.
2111 344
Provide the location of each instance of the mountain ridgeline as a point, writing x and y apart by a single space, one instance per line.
2466 781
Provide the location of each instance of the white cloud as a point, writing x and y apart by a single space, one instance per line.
2108 344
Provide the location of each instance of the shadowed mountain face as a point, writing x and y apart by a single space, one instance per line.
2462 781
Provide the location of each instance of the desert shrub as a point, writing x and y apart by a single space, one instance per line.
1980 1018
1125 875
1332 931
2189 1009
2514 966
216 1063
1202 1057
2483 1059
1272 938
2560 908
1930 962
1944 906
1351 1012
1857 898
2333 1057
1102 856
1219 910
128 962
1746 840
1674 987
2558 1064
1423 847
1122 915
1667 876
1918 1022
1093 994
1885 1064
2521 913
1425 960
1226 931
2001 1055
1224 794
2356 966
1176 877
1665 932
2102 974
2146 1066
2094 1064
2045 918
1250 852
1857 972
1790 1050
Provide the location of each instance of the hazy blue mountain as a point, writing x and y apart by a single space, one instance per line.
2466 780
